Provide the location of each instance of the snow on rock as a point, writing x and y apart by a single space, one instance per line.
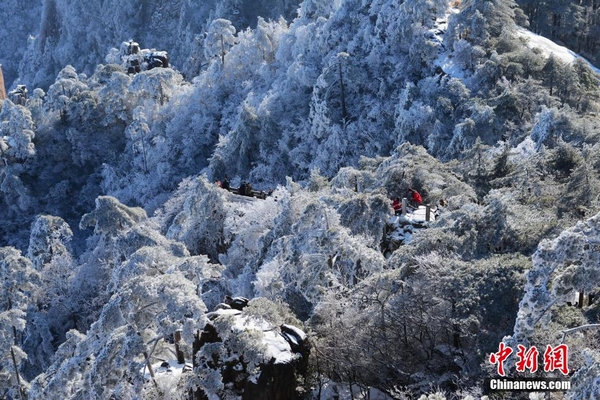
250 356
278 348
217 313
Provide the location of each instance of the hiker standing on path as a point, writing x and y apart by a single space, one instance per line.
397 206
415 197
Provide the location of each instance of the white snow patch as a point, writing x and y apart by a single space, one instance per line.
166 375
404 226
419 215
447 64
217 313
444 60
278 348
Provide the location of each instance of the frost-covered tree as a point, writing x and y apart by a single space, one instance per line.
137 133
549 125
563 159
317 8
584 92
199 222
50 237
401 328
414 119
582 190
67 89
219 39
156 86
244 230
463 137
17 130
114 94
119 231
482 21
241 143
561 267
17 205
19 280
115 351
554 71
476 167
50 252
110 217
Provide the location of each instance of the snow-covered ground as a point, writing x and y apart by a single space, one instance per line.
415 215
548 47
405 225
166 374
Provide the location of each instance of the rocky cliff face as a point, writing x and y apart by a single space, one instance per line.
242 355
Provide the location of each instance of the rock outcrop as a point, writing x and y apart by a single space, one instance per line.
245 355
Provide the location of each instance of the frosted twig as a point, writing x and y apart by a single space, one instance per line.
578 328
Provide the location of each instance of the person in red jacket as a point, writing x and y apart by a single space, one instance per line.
415 197
397 206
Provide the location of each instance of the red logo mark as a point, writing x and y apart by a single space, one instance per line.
557 358
500 357
528 359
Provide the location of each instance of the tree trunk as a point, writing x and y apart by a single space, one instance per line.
177 339
14 360
2 86
343 93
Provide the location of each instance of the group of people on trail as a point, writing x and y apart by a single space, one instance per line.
245 189
223 185
415 201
